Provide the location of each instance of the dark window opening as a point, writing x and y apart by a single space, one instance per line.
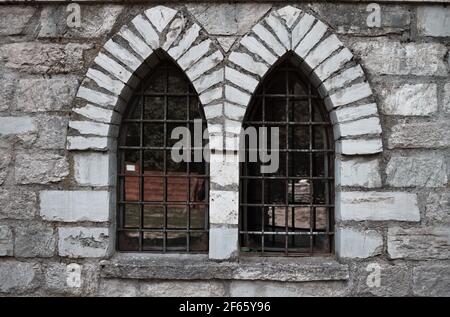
163 205
289 212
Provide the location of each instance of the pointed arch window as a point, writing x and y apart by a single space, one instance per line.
162 204
290 211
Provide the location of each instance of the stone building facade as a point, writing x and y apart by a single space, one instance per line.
381 69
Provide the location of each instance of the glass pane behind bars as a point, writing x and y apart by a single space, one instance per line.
290 211
163 205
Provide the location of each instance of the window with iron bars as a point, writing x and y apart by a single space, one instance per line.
162 204
289 212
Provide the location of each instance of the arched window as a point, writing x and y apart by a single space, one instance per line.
162 203
290 211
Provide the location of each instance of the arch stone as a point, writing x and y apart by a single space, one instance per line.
332 70
126 58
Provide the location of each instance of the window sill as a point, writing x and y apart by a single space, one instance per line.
199 267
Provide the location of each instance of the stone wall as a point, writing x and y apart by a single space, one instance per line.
62 90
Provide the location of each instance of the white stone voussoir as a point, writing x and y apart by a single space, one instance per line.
160 16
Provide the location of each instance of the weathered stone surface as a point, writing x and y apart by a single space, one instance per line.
92 169
224 207
14 19
183 289
40 168
34 240
16 125
73 206
359 146
71 279
45 94
276 289
377 206
354 243
419 243
409 99
446 98
417 171
384 57
433 20
97 20
223 242
80 242
224 169
52 132
437 208
7 89
395 19
412 135
228 19
87 143
199 267
118 288
393 279
17 203
358 172
226 42
6 241
431 280
18 276
5 160
35 57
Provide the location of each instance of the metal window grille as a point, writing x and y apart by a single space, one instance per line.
162 205
289 212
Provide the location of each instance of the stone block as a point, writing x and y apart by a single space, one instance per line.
377 206
224 207
223 242
14 19
224 169
417 171
52 132
17 203
431 280
18 277
74 206
92 169
359 146
40 168
409 99
16 125
434 134
81 242
183 289
433 21
118 288
6 241
437 207
419 243
34 240
87 143
354 243
358 172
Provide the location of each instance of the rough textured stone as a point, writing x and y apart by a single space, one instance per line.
73 206
52 132
40 168
80 242
7 90
433 134
417 171
92 169
409 99
274 289
183 289
419 243
96 21
446 99
6 241
45 94
358 172
17 276
394 279
377 206
228 19
383 57
437 207
5 159
431 280
353 243
394 19
14 19
46 58
118 288
433 20
34 240
71 279
17 203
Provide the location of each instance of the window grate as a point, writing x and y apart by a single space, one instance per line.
289 212
163 206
